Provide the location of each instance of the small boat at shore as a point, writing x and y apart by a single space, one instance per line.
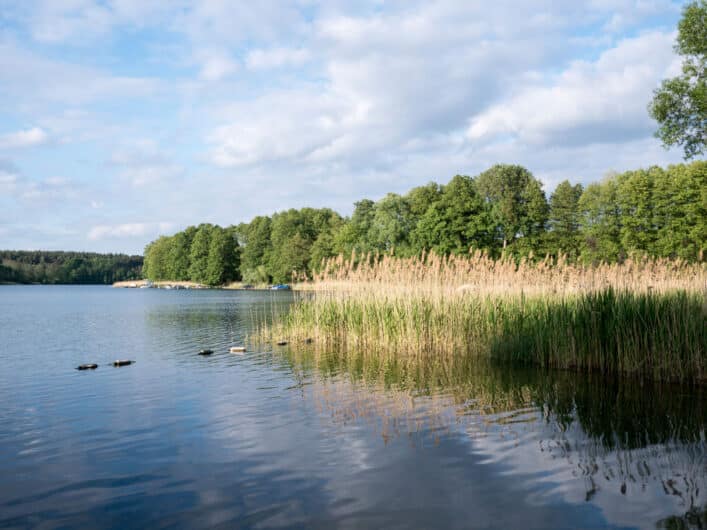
280 287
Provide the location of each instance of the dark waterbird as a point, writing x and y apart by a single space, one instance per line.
122 362
87 367
206 352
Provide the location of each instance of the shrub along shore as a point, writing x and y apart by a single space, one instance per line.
642 318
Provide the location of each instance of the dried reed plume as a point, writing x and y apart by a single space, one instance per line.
643 317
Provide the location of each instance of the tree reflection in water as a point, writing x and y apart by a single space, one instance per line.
595 439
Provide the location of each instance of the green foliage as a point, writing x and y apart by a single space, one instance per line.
419 199
391 226
51 267
600 223
256 276
199 254
564 219
325 244
655 211
652 336
222 262
177 267
255 236
457 221
293 235
680 104
516 201
680 196
354 235
658 336
205 254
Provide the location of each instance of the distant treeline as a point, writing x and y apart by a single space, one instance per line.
19 266
657 212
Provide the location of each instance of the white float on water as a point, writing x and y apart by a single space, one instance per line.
237 349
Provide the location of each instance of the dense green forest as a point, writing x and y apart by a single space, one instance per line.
656 211
19 266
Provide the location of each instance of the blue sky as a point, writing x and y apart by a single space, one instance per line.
124 119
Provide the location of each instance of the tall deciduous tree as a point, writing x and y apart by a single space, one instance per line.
635 199
255 254
221 261
199 254
680 104
293 235
392 223
564 221
354 236
516 201
178 256
456 222
680 211
600 222
156 265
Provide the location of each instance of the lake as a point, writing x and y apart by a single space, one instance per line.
291 439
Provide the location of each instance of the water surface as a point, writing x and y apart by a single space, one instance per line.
290 439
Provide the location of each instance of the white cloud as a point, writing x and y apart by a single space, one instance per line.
277 126
54 21
26 138
320 102
8 181
82 22
143 163
216 65
128 230
604 100
276 58
33 80
50 189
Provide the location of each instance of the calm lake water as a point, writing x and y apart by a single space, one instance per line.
286 439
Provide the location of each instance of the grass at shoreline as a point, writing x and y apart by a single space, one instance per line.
646 319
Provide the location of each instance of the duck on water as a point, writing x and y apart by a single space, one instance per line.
93 366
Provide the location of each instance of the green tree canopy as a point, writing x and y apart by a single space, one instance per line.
177 266
600 222
49 267
222 263
392 224
563 221
156 265
199 253
456 222
516 201
257 247
355 234
655 211
680 104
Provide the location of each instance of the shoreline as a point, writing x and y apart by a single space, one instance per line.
171 284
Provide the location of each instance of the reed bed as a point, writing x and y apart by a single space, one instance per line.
642 317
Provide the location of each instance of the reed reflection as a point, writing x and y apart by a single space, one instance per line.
600 440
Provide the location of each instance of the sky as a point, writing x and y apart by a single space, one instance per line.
121 120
